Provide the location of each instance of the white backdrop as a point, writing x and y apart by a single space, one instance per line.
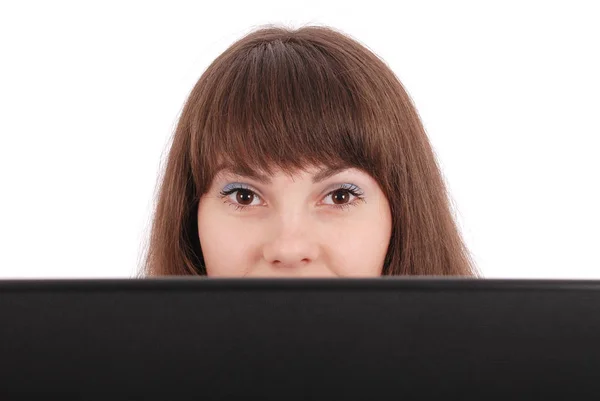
509 93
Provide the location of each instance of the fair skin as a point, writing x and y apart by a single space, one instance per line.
315 223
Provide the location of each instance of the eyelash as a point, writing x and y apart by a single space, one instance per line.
350 188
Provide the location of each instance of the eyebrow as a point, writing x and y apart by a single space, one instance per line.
321 175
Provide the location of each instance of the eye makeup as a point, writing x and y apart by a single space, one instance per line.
246 192
241 190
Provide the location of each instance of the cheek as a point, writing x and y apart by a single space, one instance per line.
360 248
360 254
227 251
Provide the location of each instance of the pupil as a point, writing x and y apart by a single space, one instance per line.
340 196
245 197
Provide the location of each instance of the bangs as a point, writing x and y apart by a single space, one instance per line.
285 104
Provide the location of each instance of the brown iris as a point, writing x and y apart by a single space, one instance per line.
340 196
244 197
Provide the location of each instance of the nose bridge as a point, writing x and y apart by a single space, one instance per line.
292 221
292 241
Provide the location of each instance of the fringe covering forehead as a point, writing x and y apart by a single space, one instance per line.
285 105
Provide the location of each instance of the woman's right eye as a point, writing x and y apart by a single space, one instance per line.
240 197
245 197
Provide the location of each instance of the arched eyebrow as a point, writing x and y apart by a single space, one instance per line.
320 176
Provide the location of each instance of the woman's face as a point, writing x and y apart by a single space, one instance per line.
318 223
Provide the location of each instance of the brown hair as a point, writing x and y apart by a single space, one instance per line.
293 98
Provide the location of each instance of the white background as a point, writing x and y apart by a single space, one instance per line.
90 92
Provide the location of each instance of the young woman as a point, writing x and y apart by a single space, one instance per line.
299 154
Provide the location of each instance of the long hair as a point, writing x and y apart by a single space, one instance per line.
293 98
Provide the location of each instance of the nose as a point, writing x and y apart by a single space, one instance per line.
293 244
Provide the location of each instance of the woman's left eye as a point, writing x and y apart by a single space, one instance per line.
344 196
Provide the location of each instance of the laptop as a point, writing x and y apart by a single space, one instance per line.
385 338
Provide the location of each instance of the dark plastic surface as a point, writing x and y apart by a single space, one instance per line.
276 339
